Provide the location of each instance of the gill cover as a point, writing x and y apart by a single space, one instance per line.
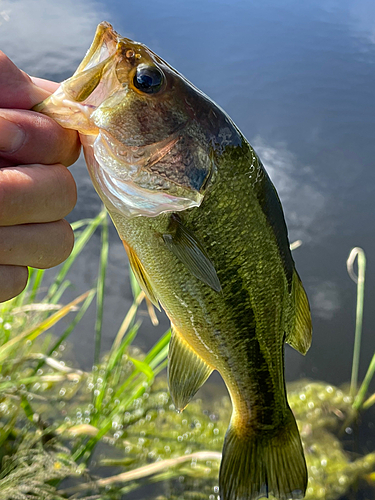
144 153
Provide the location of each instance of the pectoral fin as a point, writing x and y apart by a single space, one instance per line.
185 246
300 335
141 275
187 371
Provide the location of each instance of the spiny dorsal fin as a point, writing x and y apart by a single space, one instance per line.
299 336
141 275
185 246
187 371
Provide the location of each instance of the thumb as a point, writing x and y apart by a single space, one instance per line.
17 90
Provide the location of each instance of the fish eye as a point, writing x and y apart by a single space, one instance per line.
148 79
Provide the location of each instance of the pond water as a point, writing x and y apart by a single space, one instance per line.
298 79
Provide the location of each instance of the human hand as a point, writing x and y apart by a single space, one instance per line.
36 189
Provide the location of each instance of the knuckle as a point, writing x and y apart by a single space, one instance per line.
15 278
68 240
67 189
62 244
75 147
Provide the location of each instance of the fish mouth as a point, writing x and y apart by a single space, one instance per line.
77 98
106 43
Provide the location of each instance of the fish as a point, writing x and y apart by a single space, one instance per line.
205 234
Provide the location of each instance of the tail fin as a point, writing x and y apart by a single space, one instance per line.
259 463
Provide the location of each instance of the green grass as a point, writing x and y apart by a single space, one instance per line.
31 374
359 403
53 416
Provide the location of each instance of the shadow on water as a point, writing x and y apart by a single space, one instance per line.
297 79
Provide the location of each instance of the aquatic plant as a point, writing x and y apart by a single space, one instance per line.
59 422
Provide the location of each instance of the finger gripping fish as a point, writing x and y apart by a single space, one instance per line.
205 235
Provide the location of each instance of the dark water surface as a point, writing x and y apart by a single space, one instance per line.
298 78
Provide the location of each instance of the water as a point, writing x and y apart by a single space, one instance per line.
297 78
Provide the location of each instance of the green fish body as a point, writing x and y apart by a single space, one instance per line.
205 234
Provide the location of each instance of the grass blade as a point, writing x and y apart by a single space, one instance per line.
42 327
128 320
70 328
360 280
78 247
358 402
100 289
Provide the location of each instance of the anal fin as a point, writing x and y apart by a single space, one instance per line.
300 335
187 371
141 275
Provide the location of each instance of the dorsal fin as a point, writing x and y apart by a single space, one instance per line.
299 336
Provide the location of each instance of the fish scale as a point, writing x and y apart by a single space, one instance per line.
205 234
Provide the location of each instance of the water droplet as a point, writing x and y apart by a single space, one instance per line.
349 430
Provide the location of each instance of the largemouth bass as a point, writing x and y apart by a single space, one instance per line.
205 234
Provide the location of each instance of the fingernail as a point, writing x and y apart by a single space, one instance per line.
12 136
